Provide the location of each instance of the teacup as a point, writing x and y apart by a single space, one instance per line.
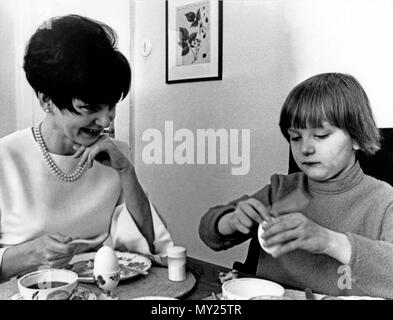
48 284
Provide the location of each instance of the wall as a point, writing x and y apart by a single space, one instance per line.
21 19
7 96
269 46
257 75
351 36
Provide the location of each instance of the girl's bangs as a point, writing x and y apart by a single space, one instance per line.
310 111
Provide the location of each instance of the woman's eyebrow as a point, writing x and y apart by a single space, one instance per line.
90 106
293 131
85 105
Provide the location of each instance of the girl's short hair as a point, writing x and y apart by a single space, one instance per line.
336 98
76 57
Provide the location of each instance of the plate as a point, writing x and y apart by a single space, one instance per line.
81 293
131 265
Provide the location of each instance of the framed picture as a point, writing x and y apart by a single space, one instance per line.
193 40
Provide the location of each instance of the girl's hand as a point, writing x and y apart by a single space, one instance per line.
295 231
106 152
246 214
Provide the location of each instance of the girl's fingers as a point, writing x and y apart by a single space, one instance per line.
242 229
279 225
282 237
248 210
260 208
287 247
244 220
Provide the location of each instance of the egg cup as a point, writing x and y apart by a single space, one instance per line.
107 282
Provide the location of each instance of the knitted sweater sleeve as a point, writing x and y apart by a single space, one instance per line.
371 262
208 227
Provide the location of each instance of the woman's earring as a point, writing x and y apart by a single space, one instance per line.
48 109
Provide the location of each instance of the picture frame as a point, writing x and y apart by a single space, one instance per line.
193 40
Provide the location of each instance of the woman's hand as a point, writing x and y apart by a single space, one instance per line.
106 152
247 213
50 250
295 231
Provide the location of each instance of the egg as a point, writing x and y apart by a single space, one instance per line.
106 261
261 231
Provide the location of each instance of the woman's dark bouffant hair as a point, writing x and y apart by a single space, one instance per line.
336 98
76 57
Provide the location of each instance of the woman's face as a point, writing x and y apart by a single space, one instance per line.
322 153
85 128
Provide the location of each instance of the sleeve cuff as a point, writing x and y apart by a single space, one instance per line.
125 234
353 243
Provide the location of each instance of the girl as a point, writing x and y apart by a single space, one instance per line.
330 226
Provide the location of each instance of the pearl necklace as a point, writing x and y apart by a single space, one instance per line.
51 163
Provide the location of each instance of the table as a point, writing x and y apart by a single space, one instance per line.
202 280
205 273
208 282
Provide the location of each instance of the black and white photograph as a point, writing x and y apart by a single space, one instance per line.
199 150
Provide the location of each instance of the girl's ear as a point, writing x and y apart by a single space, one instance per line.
355 146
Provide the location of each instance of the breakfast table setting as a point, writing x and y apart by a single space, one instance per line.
113 275
102 275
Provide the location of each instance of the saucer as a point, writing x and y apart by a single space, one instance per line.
81 293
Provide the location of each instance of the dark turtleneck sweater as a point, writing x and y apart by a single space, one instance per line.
355 204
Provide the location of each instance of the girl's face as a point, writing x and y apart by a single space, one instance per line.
68 129
322 153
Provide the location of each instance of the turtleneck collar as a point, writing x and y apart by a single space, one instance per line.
340 184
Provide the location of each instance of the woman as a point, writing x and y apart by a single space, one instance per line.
65 178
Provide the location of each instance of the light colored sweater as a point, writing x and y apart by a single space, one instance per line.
34 202
355 204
